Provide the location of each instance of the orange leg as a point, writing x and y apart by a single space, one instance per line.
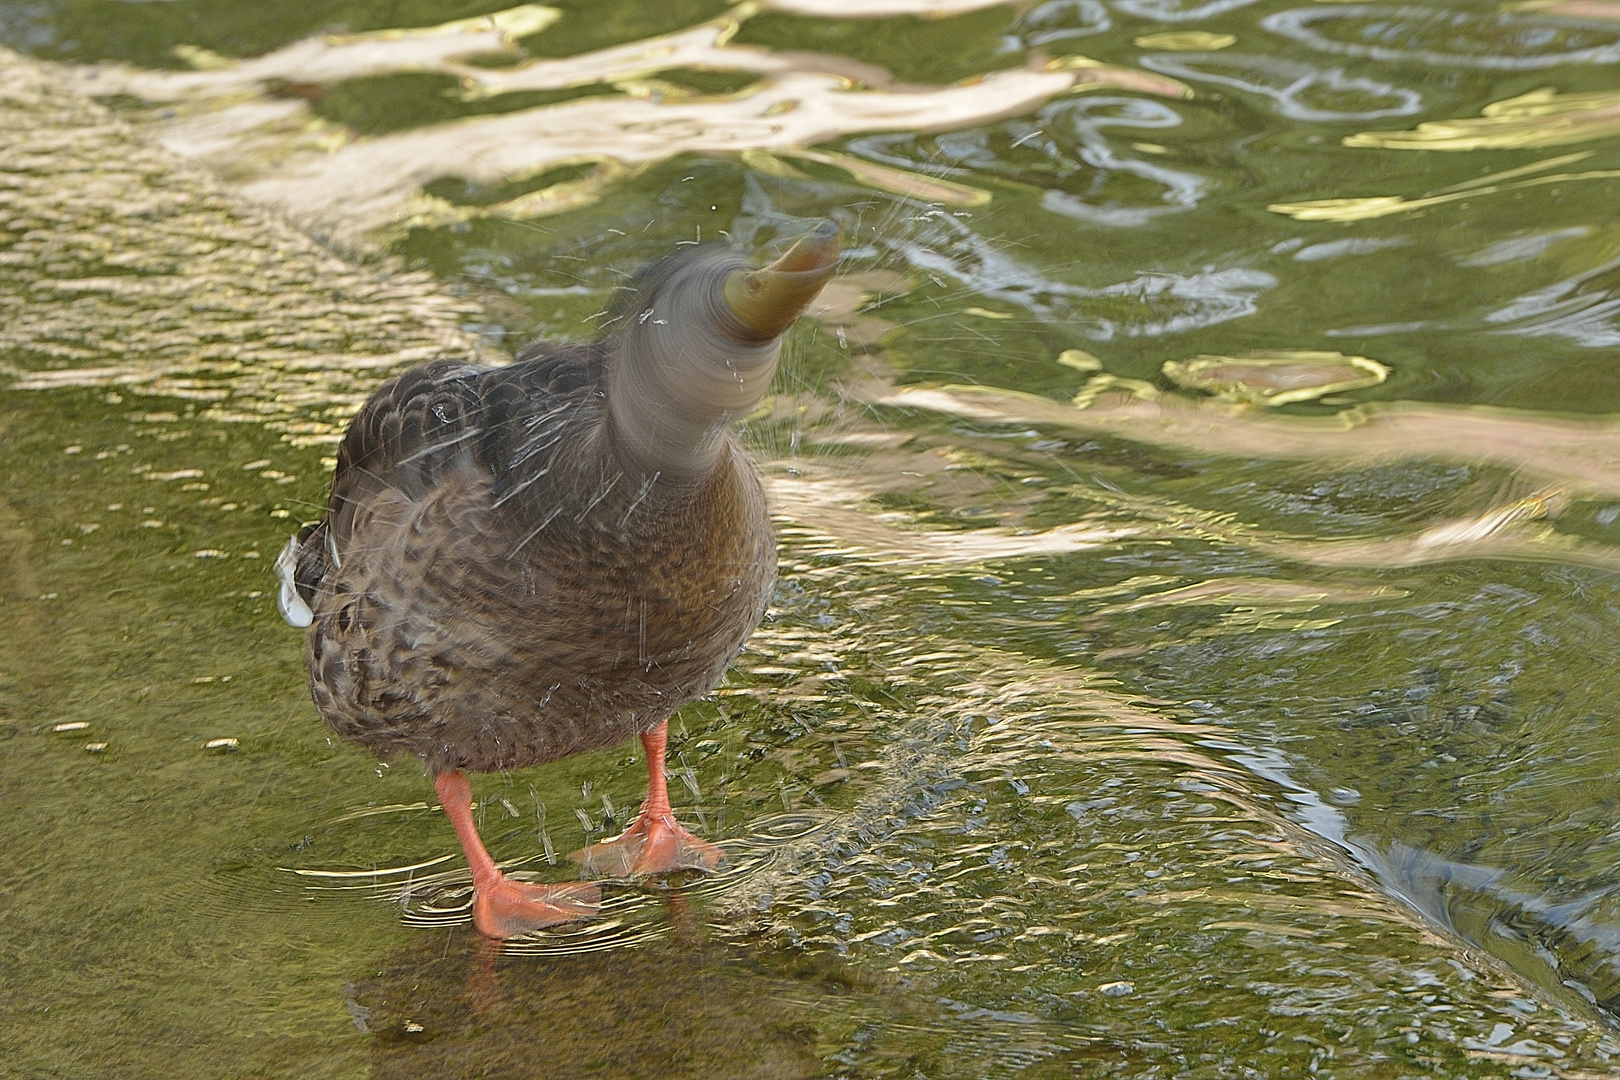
504 908
654 843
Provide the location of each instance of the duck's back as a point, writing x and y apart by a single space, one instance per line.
497 585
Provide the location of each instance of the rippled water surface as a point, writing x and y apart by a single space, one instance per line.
1198 494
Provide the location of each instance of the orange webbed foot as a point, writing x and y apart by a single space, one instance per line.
653 844
507 908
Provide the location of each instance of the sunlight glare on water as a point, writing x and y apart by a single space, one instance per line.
1197 499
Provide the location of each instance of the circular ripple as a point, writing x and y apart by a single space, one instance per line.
1503 42
436 892
786 827
575 939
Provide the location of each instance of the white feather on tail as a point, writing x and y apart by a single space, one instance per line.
291 605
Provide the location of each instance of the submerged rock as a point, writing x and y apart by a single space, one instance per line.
1275 378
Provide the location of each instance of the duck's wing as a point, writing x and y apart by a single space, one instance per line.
445 418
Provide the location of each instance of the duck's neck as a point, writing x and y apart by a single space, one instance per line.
677 381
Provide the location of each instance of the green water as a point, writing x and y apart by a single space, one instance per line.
1166 736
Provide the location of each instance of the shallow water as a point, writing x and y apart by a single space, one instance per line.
1105 723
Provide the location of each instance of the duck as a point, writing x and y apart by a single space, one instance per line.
523 562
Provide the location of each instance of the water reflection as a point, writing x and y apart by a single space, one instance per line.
1150 304
1570 452
681 1007
1434 35
1377 206
1062 20
1276 378
349 189
1061 149
1541 117
123 274
1522 248
1178 10
1582 308
1300 91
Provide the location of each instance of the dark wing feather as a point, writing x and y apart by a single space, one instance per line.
444 417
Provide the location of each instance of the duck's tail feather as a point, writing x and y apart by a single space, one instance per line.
293 607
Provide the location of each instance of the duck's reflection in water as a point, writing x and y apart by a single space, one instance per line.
455 1005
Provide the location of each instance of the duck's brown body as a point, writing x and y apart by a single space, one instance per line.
497 585
524 562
